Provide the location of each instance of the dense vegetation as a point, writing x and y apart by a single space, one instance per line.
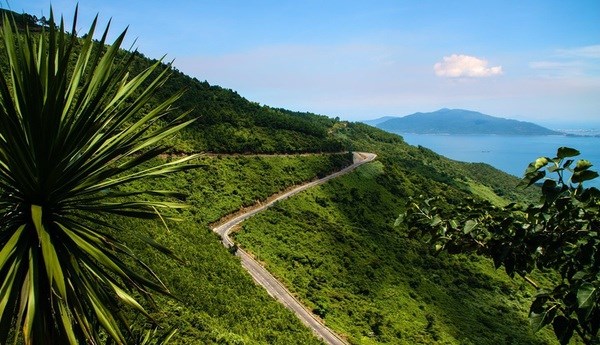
217 301
23 20
77 137
336 247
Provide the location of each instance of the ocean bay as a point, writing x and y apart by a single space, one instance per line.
510 154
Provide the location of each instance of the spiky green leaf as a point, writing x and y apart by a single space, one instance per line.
73 130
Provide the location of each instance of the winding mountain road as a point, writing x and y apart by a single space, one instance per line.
266 279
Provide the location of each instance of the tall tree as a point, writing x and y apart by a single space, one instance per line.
75 128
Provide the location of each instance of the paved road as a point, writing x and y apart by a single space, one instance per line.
266 279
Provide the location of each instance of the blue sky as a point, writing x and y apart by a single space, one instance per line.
528 60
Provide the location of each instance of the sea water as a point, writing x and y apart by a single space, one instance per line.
511 154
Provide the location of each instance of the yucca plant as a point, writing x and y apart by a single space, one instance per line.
73 131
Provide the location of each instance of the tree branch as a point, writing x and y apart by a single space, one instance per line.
531 282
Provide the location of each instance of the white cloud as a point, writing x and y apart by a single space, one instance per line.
590 52
553 64
456 66
572 62
558 69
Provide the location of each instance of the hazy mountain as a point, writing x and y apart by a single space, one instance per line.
375 122
458 121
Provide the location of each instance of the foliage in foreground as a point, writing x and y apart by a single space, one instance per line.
561 234
74 128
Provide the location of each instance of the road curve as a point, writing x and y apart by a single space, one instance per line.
266 279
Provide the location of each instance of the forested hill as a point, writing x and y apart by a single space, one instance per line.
23 19
227 122
458 121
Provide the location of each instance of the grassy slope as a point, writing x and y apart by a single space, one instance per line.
218 301
336 248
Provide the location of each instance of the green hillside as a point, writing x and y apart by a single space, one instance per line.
334 246
217 301
229 123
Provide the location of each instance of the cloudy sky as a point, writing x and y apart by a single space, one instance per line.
528 60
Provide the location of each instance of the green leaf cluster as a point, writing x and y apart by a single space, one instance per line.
560 234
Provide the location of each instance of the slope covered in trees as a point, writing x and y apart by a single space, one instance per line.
337 248
229 123
226 121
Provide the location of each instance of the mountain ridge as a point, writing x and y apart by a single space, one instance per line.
458 121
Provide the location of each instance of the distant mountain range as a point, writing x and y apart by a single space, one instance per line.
458 121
